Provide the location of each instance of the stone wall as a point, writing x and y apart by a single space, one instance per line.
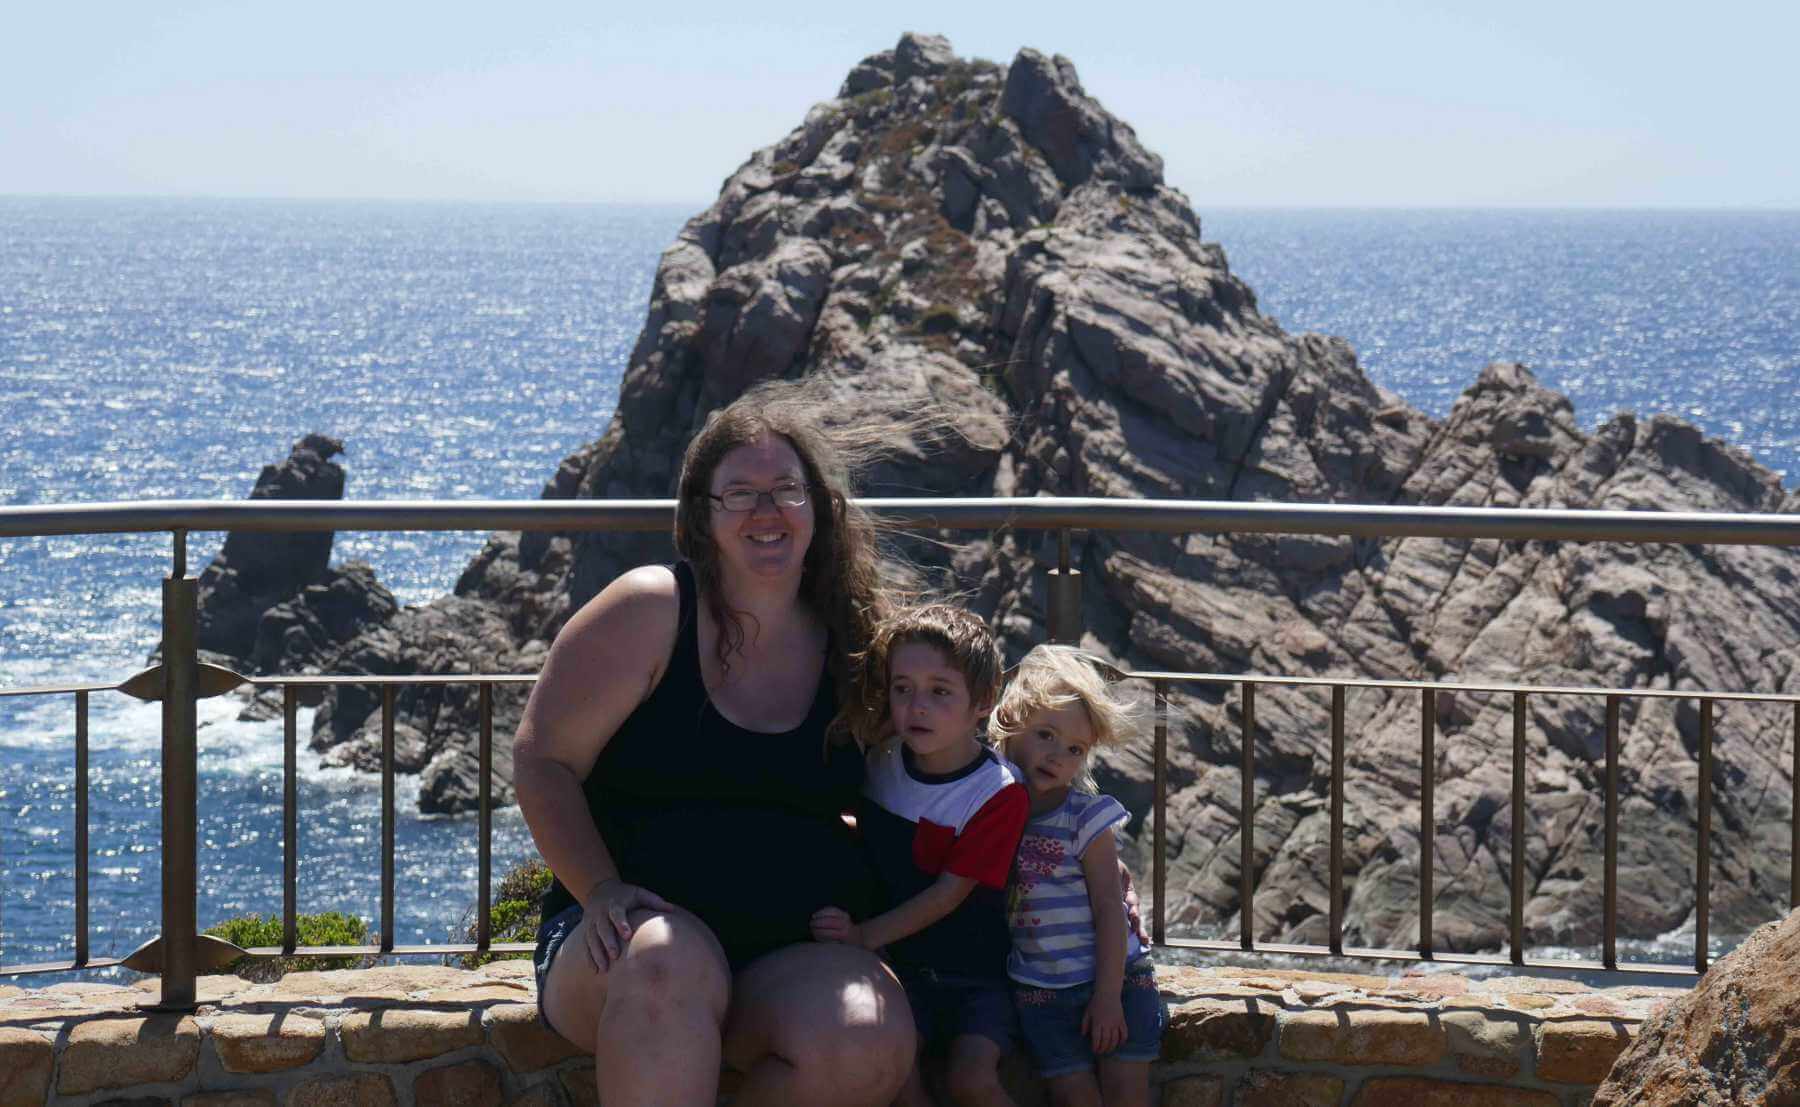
422 1035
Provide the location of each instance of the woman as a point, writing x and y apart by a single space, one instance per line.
674 766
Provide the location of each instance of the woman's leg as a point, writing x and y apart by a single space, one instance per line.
818 1024
653 1020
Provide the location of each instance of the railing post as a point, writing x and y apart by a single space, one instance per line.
1159 866
1247 823
1337 819
1065 596
1427 813
1703 862
180 807
1609 947
1516 925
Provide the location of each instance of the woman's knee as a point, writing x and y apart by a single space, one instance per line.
671 964
837 1018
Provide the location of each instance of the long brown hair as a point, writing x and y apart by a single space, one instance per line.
848 580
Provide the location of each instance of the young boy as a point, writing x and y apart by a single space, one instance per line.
941 818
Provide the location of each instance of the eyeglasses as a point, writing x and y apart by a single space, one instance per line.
747 499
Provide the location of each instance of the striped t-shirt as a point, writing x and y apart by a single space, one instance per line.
1052 922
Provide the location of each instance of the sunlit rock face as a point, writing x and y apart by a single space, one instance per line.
990 238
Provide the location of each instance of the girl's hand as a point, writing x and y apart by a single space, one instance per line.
1104 1023
605 925
833 924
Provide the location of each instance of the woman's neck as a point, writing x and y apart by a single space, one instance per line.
775 605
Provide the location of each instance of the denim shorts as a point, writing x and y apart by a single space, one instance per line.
946 1006
1050 1019
552 933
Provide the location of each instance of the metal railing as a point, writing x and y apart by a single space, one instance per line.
180 681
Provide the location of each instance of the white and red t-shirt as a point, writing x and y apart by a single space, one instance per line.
918 825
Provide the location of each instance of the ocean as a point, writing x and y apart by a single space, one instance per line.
171 348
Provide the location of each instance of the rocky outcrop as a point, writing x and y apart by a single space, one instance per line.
271 602
991 239
1735 1039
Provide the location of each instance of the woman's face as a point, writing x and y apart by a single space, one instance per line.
767 542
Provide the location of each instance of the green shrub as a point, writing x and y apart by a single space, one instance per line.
329 928
514 914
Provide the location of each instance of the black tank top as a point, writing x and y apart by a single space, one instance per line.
740 827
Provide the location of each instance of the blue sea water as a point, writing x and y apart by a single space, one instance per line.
170 348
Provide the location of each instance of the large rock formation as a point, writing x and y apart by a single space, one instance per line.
989 237
272 603
1735 1039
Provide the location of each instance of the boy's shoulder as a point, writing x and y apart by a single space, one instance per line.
951 799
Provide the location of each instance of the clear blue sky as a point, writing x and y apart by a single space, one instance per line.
1320 103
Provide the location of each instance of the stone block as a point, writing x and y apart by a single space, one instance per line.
1579 1051
364 1089
1484 1044
523 1041
26 1062
1193 1091
267 1042
1415 1091
397 1035
384 982
126 1052
1289 1089
470 1084
246 1097
541 1095
1362 1037
1212 1030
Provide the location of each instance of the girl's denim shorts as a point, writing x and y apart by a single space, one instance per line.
1050 1020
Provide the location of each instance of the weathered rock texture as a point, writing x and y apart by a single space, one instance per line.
272 603
990 238
1734 1039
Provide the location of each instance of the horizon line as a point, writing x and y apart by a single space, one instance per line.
701 205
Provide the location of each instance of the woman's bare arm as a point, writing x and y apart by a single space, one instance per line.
605 662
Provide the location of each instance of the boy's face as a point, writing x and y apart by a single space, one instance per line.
929 700
1052 747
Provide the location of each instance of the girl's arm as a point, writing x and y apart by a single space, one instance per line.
830 924
1105 1018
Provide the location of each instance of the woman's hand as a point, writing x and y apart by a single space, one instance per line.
1104 1023
834 924
1134 919
605 918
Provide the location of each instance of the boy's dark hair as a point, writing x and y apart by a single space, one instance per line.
967 644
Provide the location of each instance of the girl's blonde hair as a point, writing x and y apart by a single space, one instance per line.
1052 677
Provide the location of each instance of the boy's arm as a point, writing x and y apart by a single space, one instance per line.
917 913
1100 865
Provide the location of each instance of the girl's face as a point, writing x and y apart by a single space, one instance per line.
768 540
1052 747
929 702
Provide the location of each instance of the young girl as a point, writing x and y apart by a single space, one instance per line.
1082 982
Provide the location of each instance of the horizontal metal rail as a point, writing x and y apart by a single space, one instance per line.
1041 513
